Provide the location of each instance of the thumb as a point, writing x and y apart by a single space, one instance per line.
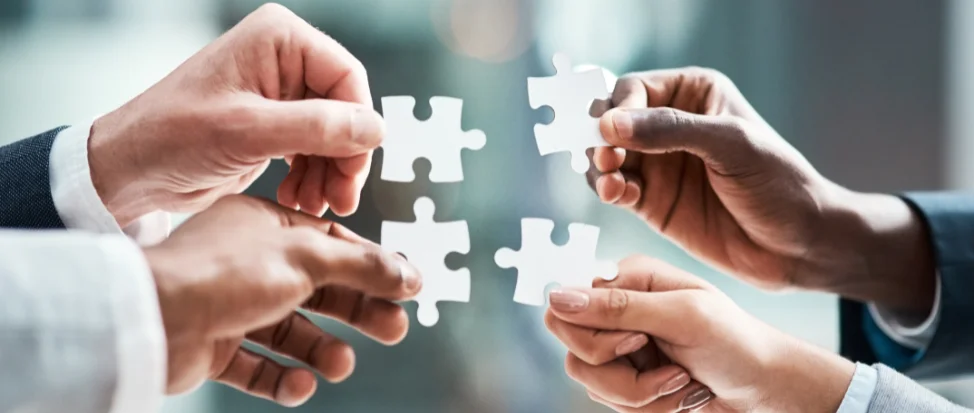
321 127
717 140
668 315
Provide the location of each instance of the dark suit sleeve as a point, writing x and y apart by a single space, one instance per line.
25 184
949 218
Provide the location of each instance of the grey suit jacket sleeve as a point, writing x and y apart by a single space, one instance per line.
25 184
949 218
897 393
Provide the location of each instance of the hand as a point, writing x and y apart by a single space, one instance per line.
271 87
220 282
746 364
697 162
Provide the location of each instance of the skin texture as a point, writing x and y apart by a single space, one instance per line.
271 87
220 283
696 331
697 163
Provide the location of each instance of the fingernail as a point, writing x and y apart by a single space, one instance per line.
622 121
367 127
410 277
696 399
569 301
676 383
631 344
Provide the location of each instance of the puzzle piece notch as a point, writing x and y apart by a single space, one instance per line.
541 263
426 243
570 95
440 139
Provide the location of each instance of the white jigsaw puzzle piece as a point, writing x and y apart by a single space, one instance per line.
439 139
426 244
541 263
570 95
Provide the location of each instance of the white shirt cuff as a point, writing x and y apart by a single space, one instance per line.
76 200
860 391
140 338
913 331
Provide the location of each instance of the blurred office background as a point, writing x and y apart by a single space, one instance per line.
879 96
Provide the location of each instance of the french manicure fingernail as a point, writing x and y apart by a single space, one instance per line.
696 399
631 344
622 121
676 383
568 300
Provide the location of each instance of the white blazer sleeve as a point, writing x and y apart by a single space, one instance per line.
80 328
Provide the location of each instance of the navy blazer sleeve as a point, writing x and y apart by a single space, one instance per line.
950 220
25 184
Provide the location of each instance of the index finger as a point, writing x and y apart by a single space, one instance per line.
642 273
630 92
363 267
335 255
330 70
663 315
659 88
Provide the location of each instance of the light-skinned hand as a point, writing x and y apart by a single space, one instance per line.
689 330
271 87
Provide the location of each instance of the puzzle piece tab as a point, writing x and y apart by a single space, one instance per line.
426 244
570 95
439 139
541 263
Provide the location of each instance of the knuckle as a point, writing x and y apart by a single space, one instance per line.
651 263
572 368
358 70
320 125
274 10
738 135
549 322
230 200
737 128
233 117
590 352
272 21
304 242
376 261
666 120
709 74
357 312
282 332
634 397
616 303
268 265
628 81
626 86
305 236
696 304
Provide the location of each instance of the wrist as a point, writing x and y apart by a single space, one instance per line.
805 378
169 272
114 172
181 320
872 248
